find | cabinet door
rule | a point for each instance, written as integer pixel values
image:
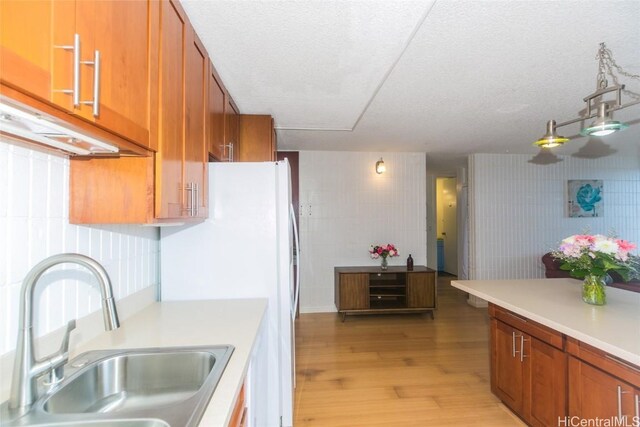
(256, 138)
(29, 30)
(507, 371)
(596, 394)
(169, 157)
(231, 130)
(547, 373)
(195, 154)
(354, 291)
(216, 115)
(421, 290)
(119, 30)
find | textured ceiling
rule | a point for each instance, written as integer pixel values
(447, 78)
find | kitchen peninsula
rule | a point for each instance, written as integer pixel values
(554, 356)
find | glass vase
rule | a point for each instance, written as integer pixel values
(593, 290)
(383, 263)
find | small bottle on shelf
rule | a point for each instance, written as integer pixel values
(409, 263)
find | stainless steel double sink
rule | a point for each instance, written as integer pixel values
(155, 387)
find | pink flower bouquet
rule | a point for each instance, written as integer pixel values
(583, 255)
(383, 251)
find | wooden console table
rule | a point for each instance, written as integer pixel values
(371, 290)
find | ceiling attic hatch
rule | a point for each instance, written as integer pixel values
(25, 123)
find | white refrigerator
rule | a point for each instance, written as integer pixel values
(244, 250)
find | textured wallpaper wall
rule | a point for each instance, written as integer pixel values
(518, 210)
(346, 206)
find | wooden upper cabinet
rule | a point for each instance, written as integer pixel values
(257, 138)
(216, 115)
(39, 41)
(181, 160)
(196, 69)
(231, 130)
(169, 158)
(171, 184)
(119, 32)
(29, 30)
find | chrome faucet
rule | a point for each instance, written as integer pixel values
(27, 369)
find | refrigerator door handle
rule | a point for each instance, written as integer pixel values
(294, 308)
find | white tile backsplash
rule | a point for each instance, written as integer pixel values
(34, 224)
(345, 207)
(518, 209)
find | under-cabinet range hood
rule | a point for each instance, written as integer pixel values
(26, 123)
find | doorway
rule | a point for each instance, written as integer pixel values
(447, 225)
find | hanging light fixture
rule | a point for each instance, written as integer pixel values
(551, 138)
(604, 123)
(380, 167)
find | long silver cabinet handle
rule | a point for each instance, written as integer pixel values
(196, 198)
(620, 393)
(522, 355)
(191, 198)
(513, 344)
(75, 85)
(96, 83)
(638, 406)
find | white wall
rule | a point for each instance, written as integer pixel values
(345, 207)
(518, 209)
(34, 224)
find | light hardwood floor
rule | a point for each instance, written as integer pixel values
(397, 370)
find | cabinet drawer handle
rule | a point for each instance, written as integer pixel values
(623, 363)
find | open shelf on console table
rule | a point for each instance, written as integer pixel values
(371, 290)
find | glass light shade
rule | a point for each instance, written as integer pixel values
(551, 138)
(380, 167)
(550, 141)
(603, 128)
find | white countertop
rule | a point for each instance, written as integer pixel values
(557, 303)
(194, 323)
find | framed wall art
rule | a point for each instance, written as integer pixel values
(585, 198)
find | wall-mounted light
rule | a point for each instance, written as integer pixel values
(380, 167)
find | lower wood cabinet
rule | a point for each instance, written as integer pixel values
(239, 415)
(549, 379)
(597, 394)
(528, 374)
(370, 290)
(602, 386)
